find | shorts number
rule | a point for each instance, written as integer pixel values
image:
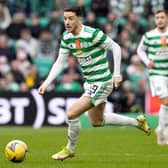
(93, 88)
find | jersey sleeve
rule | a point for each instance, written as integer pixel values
(142, 49)
(144, 43)
(100, 39)
(59, 64)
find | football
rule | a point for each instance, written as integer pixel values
(16, 150)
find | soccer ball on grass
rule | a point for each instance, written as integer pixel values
(16, 150)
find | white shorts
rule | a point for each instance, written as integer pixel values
(98, 91)
(159, 86)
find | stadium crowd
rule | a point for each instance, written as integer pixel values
(30, 32)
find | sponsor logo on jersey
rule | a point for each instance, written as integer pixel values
(78, 47)
(163, 41)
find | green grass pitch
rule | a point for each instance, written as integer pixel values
(111, 147)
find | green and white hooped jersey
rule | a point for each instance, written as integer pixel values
(156, 45)
(89, 47)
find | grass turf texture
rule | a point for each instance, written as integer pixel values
(112, 147)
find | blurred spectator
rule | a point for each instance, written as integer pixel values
(3, 84)
(61, 4)
(108, 29)
(47, 45)
(5, 17)
(35, 26)
(128, 96)
(56, 26)
(125, 41)
(132, 103)
(42, 7)
(18, 23)
(123, 97)
(15, 69)
(134, 26)
(126, 100)
(19, 6)
(136, 74)
(100, 8)
(140, 7)
(12, 85)
(24, 87)
(91, 20)
(111, 17)
(23, 58)
(4, 66)
(155, 5)
(6, 50)
(81, 3)
(30, 43)
(120, 7)
(32, 78)
(70, 79)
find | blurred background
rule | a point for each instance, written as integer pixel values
(30, 33)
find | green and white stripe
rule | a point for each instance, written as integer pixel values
(92, 55)
(157, 52)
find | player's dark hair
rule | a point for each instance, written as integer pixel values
(76, 9)
(161, 10)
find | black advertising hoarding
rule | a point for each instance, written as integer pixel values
(33, 109)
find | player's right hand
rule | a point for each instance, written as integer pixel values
(117, 81)
(41, 89)
(151, 64)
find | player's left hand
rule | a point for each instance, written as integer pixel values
(117, 80)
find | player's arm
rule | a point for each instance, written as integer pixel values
(115, 48)
(55, 70)
(141, 51)
(107, 43)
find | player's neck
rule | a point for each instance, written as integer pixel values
(162, 30)
(77, 30)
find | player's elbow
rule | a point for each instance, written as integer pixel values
(117, 48)
(139, 51)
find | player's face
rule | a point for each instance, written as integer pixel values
(71, 22)
(161, 20)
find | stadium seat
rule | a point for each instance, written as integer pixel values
(102, 20)
(43, 65)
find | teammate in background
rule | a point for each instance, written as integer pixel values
(89, 45)
(153, 50)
